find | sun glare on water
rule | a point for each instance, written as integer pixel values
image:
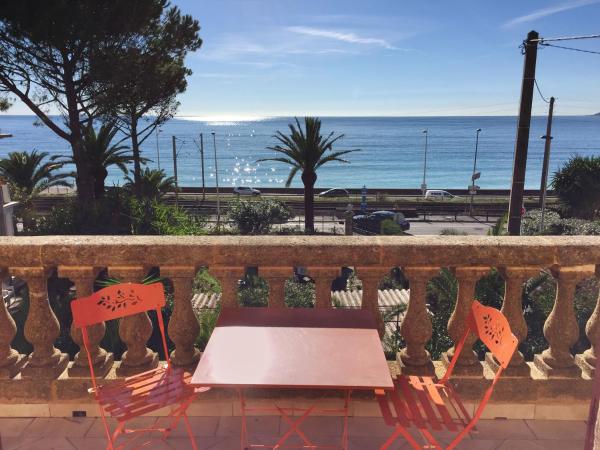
(224, 119)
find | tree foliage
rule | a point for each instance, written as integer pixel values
(153, 183)
(48, 50)
(101, 154)
(577, 185)
(141, 94)
(257, 217)
(306, 151)
(29, 173)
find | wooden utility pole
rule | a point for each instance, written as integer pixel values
(546, 163)
(202, 159)
(522, 141)
(175, 170)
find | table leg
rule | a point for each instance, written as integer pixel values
(346, 408)
(244, 432)
(294, 427)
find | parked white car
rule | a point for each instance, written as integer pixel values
(436, 194)
(244, 190)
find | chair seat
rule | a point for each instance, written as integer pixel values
(423, 402)
(146, 392)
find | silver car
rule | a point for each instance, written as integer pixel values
(244, 190)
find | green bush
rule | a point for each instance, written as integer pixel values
(154, 217)
(453, 232)
(257, 216)
(555, 225)
(118, 214)
(299, 295)
(254, 291)
(205, 283)
(390, 227)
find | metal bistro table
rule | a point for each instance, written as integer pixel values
(281, 348)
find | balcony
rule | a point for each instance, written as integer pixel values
(553, 385)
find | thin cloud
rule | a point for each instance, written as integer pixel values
(549, 11)
(351, 38)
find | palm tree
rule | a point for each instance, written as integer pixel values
(153, 183)
(306, 151)
(28, 174)
(577, 185)
(100, 154)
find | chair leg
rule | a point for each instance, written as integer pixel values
(460, 436)
(400, 430)
(189, 431)
(433, 441)
(112, 438)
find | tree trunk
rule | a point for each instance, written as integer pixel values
(99, 182)
(135, 149)
(309, 178)
(85, 177)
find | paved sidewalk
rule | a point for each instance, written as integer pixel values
(222, 433)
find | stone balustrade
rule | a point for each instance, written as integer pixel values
(81, 259)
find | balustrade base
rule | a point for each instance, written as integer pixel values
(101, 368)
(516, 371)
(191, 366)
(555, 372)
(589, 370)
(406, 369)
(14, 366)
(60, 361)
(124, 370)
(464, 370)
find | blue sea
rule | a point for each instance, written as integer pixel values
(390, 156)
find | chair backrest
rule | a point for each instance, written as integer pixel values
(494, 331)
(116, 301)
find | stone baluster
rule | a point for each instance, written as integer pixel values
(41, 327)
(276, 277)
(229, 278)
(11, 361)
(561, 329)
(467, 364)
(323, 277)
(134, 330)
(587, 360)
(370, 278)
(84, 278)
(416, 325)
(183, 325)
(512, 308)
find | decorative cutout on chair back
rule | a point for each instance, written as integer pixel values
(494, 331)
(117, 301)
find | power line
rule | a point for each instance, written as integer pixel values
(540, 92)
(570, 48)
(567, 38)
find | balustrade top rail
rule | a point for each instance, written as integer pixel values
(440, 251)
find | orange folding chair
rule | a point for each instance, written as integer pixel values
(433, 405)
(144, 392)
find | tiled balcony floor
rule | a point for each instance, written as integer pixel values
(222, 433)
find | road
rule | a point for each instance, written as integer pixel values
(418, 228)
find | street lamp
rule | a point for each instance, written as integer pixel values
(474, 175)
(424, 184)
(157, 151)
(544, 185)
(217, 181)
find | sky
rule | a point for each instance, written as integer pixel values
(385, 57)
